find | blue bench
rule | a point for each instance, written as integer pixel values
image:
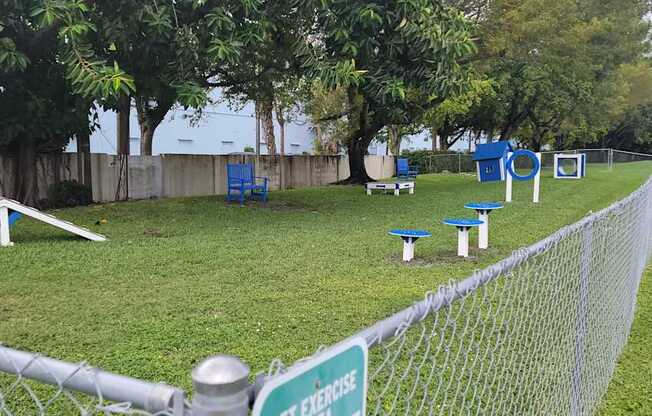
(404, 170)
(242, 179)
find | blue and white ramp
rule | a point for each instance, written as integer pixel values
(19, 209)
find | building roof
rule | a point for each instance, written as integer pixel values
(494, 150)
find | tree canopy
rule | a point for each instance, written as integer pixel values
(565, 73)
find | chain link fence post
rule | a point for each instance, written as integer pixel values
(577, 404)
(221, 387)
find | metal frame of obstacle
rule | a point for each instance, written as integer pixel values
(396, 187)
(535, 173)
(580, 166)
(8, 204)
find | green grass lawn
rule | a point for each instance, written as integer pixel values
(182, 279)
(630, 391)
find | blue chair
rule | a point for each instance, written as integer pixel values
(240, 179)
(404, 170)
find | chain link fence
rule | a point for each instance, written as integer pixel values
(428, 162)
(539, 333)
(31, 384)
(536, 334)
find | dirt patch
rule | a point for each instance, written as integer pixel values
(438, 258)
(281, 206)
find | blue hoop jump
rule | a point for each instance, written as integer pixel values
(536, 165)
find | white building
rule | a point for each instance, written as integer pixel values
(219, 131)
(222, 130)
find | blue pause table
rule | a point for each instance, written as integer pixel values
(409, 237)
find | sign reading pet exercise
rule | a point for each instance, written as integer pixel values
(332, 384)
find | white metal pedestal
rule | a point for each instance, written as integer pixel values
(463, 242)
(408, 249)
(483, 231)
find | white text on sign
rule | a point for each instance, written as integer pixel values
(319, 403)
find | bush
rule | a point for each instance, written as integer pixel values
(249, 149)
(69, 194)
(427, 161)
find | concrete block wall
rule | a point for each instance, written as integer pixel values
(169, 176)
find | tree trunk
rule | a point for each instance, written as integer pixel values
(537, 138)
(267, 118)
(123, 116)
(146, 139)
(84, 174)
(443, 142)
(281, 123)
(25, 189)
(357, 151)
(321, 148)
(257, 111)
(363, 130)
(435, 139)
(395, 139)
(149, 118)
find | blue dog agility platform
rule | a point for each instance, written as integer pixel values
(14, 217)
(409, 237)
(484, 209)
(463, 223)
(463, 226)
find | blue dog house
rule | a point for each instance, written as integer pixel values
(490, 161)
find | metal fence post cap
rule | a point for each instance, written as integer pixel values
(220, 374)
(221, 387)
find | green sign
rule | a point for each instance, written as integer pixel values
(332, 384)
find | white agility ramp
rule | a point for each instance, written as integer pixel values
(8, 204)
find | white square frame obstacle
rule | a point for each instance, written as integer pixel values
(580, 166)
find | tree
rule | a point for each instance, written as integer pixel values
(323, 107)
(453, 118)
(174, 50)
(47, 82)
(268, 72)
(554, 65)
(395, 60)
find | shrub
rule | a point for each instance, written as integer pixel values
(69, 194)
(249, 149)
(427, 161)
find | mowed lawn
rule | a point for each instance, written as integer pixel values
(182, 279)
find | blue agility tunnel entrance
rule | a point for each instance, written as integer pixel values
(490, 159)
